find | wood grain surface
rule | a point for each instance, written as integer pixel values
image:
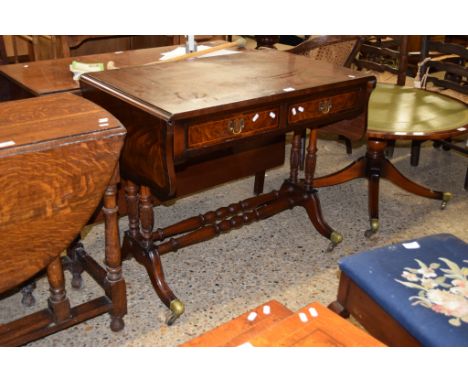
(53, 177)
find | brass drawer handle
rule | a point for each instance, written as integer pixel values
(325, 106)
(236, 129)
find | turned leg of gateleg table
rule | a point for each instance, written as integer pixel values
(72, 263)
(28, 299)
(116, 290)
(312, 203)
(58, 300)
(152, 260)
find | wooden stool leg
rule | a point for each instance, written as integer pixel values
(339, 305)
(58, 301)
(113, 260)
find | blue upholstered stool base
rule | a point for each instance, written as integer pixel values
(421, 283)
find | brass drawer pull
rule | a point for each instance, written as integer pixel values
(325, 106)
(236, 129)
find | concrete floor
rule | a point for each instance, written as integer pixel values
(282, 258)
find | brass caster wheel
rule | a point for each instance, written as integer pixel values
(374, 223)
(177, 308)
(335, 239)
(446, 196)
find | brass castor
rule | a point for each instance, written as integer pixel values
(446, 196)
(335, 239)
(177, 308)
(374, 223)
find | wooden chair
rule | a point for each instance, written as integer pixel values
(383, 55)
(411, 293)
(39, 47)
(443, 69)
(3, 53)
(399, 113)
(337, 50)
(58, 157)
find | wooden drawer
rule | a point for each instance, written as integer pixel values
(235, 127)
(321, 107)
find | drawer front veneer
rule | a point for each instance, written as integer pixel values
(234, 127)
(321, 107)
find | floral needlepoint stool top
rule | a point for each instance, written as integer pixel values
(443, 290)
(423, 284)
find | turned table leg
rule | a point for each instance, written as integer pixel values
(58, 300)
(113, 260)
(27, 292)
(73, 264)
(132, 197)
(295, 158)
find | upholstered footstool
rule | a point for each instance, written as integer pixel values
(409, 294)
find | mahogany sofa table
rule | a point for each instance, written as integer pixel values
(199, 123)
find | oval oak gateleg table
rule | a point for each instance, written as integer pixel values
(199, 123)
(58, 159)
